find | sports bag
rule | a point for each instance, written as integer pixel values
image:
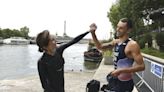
(93, 86)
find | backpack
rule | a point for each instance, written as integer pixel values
(93, 86)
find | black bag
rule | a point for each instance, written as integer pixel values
(93, 86)
(112, 83)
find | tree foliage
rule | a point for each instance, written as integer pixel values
(148, 38)
(24, 31)
(7, 33)
(137, 11)
(160, 40)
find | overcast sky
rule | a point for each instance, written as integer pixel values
(39, 15)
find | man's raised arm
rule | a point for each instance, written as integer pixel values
(110, 45)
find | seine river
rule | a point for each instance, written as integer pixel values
(18, 61)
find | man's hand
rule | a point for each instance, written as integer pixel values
(93, 27)
(116, 72)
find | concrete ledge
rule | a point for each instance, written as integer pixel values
(108, 60)
(156, 59)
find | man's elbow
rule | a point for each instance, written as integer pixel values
(142, 68)
(99, 47)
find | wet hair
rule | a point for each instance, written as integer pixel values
(128, 21)
(42, 40)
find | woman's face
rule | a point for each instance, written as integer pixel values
(52, 43)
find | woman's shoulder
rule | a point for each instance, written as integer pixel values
(42, 58)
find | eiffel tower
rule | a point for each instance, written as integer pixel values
(64, 34)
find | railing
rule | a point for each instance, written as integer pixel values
(153, 76)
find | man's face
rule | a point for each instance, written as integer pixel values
(122, 29)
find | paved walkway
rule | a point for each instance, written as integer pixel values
(74, 82)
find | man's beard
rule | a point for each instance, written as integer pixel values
(120, 34)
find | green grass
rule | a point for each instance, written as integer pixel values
(153, 52)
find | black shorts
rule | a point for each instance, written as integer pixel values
(123, 86)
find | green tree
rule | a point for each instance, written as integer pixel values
(136, 11)
(148, 38)
(126, 8)
(24, 32)
(1, 35)
(17, 33)
(113, 15)
(6, 33)
(160, 40)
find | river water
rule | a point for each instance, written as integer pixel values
(17, 61)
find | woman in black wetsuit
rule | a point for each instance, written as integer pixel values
(51, 64)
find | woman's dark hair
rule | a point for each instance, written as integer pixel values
(42, 40)
(128, 21)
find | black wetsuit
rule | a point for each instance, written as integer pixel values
(51, 68)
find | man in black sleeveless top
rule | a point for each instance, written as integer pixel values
(127, 55)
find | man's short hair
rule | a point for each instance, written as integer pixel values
(128, 21)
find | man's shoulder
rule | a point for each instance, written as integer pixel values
(133, 45)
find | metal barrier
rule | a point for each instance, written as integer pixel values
(153, 76)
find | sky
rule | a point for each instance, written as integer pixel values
(39, 15)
